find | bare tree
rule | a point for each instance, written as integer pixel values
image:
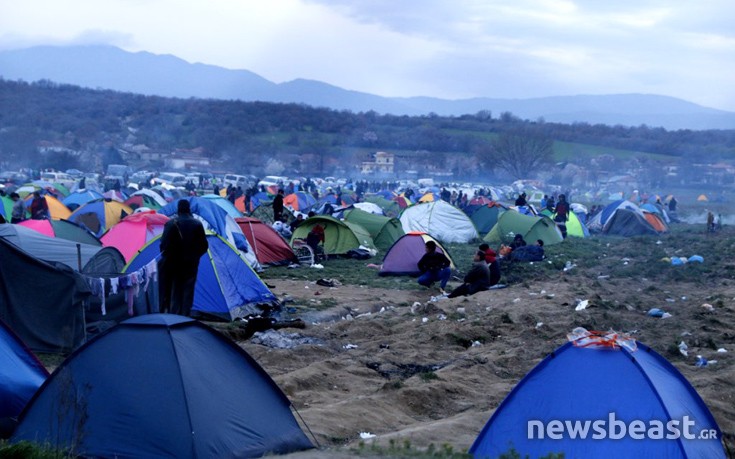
(520, 152)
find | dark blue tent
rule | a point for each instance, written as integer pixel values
(226, 287)
(589, 384)
(161, 385)
(21, 374)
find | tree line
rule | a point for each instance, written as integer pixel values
(242, 133)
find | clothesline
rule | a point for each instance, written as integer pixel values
(130, 283)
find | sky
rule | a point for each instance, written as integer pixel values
(452, 49)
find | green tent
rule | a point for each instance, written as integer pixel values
(484, 217)
(384, 230)
(511, 223)
(390, 208)
(339, 236)
(264, 213)
(575, 227)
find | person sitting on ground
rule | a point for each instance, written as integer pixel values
(518, 241)
(491, 258)
(295, 224)
(477, 279)
(434, 266)
(533, 252)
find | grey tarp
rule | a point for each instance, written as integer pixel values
(41, 302)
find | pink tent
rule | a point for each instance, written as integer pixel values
(133, 232)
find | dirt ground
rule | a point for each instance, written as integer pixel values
(395, 365)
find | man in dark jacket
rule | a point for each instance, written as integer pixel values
(183, 243)
(476, 280)
(278, 206)
(434, 266)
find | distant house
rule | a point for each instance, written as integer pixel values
(382, 164)
(187, 159)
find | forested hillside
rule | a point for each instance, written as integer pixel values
(310, 140)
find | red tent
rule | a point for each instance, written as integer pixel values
(270, 248)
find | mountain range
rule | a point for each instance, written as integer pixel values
(108, 67)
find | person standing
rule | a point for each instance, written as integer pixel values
(39, 207)
(19, 209)
(278, 206)
(183, 243)
(477, 278)
(562, 215)
(434, 267)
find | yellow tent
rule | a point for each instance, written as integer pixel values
(702, 197)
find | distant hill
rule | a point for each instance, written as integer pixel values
(109, 67)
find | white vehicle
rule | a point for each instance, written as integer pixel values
(58, 177)
(171, 179)
(235, 180)
(270, 180)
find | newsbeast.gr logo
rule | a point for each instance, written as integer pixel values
(616, 429)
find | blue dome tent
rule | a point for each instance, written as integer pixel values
(226, 287)
(600, 378)
(161, 385)
(21, 374)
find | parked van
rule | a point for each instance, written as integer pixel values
(235, 180)
(58, 177)
(171, 179)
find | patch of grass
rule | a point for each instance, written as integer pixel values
(404, 449)
(428, 376)
(28, 450)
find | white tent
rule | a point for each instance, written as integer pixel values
(441, 220)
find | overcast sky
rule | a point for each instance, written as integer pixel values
(444, 48)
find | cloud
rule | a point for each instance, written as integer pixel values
(457, 49)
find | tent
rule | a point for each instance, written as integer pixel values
(511, 223)
(626, 223)
(389, 208)
(369, 207)
(264, 213)
(403, 256)
(217, 219)
(339, 236)
(300, 201)
(384, 231)
(598, 222)
(80, 197)
(100, 215)
(226, 288)
(269, 247)
(161, 385)
(152, 196)
(484, 216)
(655, 221)
(702, 198)
(6, 207)
(57, 209)
(43, 303)
(586, 382)
(575, 227)
(21, 374)
(139, 201)
(133, 232)
(228, 207)
(78, 256)
(63, 229)
(443, 221)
